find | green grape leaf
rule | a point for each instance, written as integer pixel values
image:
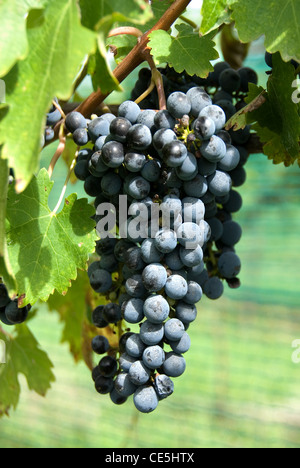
(4, 173)
(57, 47)
(277, 20)
(72, 309)
(101, 74)
(101, 15)
(277, 120)
(22, 355)
(122, 45)
(255, 99)
(93, 12)
(45, 249)
(13, 37)
(187, 51)
(214, 13)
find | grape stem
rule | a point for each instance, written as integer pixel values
(125, 30)
(145, 93)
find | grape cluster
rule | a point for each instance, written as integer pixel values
(10, 312)
(181, 161)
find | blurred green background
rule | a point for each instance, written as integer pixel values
(240, 389)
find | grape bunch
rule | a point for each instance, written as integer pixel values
(10, 312)
(181, 161)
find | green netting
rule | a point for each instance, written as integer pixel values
(240, 389)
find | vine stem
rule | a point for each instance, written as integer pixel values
(136, 56)
(125, 30)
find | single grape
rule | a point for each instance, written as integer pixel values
(151, 170)
(16, 314)
(139, 373)
(119, 128)
(165, 240)
(219, 183)
(156, 309)
(164, 386)
(111, 184)
(174, 329)
(188, 169)
(112, 313)
(98, 318)
(113, 154)
(133, 310)
(100, 344)
(126, 361)
(173, 260)
(230, 160)
(134, 161)
(194, 293)
(199, 99)
(104, 385)
(178, 104)
(196, 187)
(145, 399)
(216, 114)
(230, 80)
(108, 366)
(116, 398)
(191, 257)
(149, 252)
(229, 265)
(134, 346)
(187, 313)
(213, 288)
(174, 153)
(135, 287)
(154, 277)
(176, 287)
(151, 333)
(138, 188)
(214, 149)
(153, 357)
(146, 117)
(75, 120)
(190, 235)
(124, 386)
(139, 137)
(163, 119)
(174, 364)
(232, 233)
(182, 345)
(129, 110)
(101, 280)
(204, 128)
